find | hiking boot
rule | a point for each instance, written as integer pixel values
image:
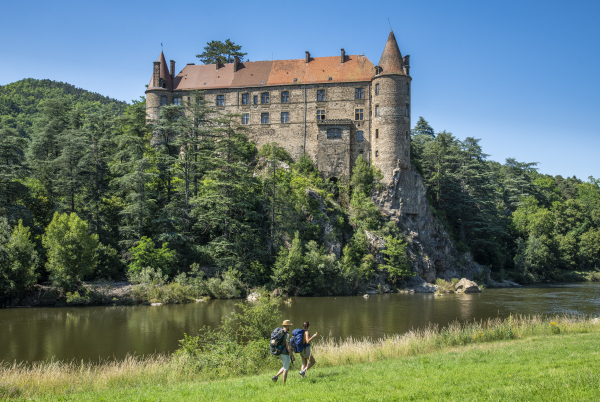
(303, 373)
(274, 378)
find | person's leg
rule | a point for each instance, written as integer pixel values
(281, 370)
(284, 375)
(312, 362)
(304, 363)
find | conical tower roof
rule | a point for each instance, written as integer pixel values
(164, 71)
(391, 59)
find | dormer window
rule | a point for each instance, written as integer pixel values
(164, 84)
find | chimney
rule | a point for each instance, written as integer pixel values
(307, 57)
(219, 64)
(156, 74)
(406, 60)
(236, 63)
(172, 69)
(343, 55)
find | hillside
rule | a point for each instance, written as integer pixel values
(20, 101)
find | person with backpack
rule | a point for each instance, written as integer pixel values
(307, 358)
(280, 345)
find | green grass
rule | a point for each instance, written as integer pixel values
(555, 368)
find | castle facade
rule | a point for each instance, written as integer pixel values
(332, 108)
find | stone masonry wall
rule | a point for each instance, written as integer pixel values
(390, 134)
(340, 103)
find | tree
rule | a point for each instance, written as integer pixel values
(21, 274)
(72, 253)
(13, 171)
(365, 177)
(396, 261)
(224, 52)
(145, 254)
(423, 128)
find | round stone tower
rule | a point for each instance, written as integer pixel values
(160, 89)
(391, 88)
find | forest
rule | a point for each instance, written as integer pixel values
(90, 191)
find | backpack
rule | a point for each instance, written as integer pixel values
(276, 341)
(297, 341)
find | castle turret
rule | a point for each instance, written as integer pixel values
(160, 87)
(390, 131)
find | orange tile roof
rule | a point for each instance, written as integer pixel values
(277, 72)
(391, 58)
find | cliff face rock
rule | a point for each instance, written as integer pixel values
(430, 248)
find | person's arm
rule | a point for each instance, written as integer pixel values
(306, 339)
(311, 338)
(289, 348)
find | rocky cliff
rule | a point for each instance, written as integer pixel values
(430, 248)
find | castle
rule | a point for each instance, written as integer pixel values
(333, 108)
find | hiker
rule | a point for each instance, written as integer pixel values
(286, 353)
(305, 353)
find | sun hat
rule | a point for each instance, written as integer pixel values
(286, 322)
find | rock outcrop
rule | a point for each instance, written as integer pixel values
(430, 248)
(467, 286)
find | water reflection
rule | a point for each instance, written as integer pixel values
(100, 332)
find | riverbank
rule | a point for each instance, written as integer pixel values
(556, 355)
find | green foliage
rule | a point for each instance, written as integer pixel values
(20, 101)
(224, 52)
(145, 254)
(365, 177)
(71, 252)
(396, 261)
(23, 260)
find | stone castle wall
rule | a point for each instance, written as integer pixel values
(302, 130)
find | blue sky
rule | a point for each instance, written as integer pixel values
(521, 75)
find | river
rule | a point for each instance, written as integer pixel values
(90, 333)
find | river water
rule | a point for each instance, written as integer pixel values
(90, 333)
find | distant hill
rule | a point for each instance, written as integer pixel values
(20, 101)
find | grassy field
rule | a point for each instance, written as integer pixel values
(555, 368)
(521, 358)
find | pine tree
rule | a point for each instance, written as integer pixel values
(13, 170)
(224, 52)
(423, 128)
(226, 206)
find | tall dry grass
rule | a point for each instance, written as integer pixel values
(55, 377)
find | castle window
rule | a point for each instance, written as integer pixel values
(376, 110)
(376, 89)
(264, 97)
(220, 100)
(359, 136)
(407, 88)
(246, 118)
(359, 93)
(358, 114)
(407, 110)
(285, 117)
(360, 151)
(163, 101)
(245, 99)
(320, 95)
(264, 118)
(177, 101)
(164, 85)
(320, 115)
(285, 97)
(376, 153)
(334, 133)
(405, 153)
(376, 133)
(255, 100)
(407, 134)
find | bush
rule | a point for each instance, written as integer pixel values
(396, 261)
(240, 345)
(146, 255)
(72, 253)
(110, 265)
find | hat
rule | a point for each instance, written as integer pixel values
(286, 322)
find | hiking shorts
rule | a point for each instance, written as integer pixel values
(285, 359)
(305, 352)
